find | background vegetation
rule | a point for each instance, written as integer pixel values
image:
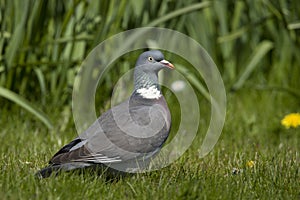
(255, 44)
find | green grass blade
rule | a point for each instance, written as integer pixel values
(194, 81)
(294, 25)
(26, 105)
(179, 12)
(17, 37)
(42, 82)
(262, 49)
(233, 35)
(200, 87)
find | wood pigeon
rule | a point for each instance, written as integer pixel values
(126, 137)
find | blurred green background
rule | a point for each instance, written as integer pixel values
(255, 44)
(43, 43)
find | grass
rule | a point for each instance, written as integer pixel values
(249, 134)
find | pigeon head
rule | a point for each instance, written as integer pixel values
(152, 61)
(147, 67)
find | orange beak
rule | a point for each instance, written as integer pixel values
(167, 63)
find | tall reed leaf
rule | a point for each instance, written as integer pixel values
(194, 81)
(260, 51)
(179, 12)
(17, 36)
(26, 105)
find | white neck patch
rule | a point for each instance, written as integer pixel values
(149, 93)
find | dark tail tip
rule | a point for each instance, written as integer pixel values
(47, 171)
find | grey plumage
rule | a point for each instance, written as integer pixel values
(128, 136)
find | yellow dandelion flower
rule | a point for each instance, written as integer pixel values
(250, 163)
(291, 120)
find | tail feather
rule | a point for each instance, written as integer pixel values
(47, 171)
(56, 168)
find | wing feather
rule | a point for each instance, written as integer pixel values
(107, 142)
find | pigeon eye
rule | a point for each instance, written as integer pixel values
(150, 58)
